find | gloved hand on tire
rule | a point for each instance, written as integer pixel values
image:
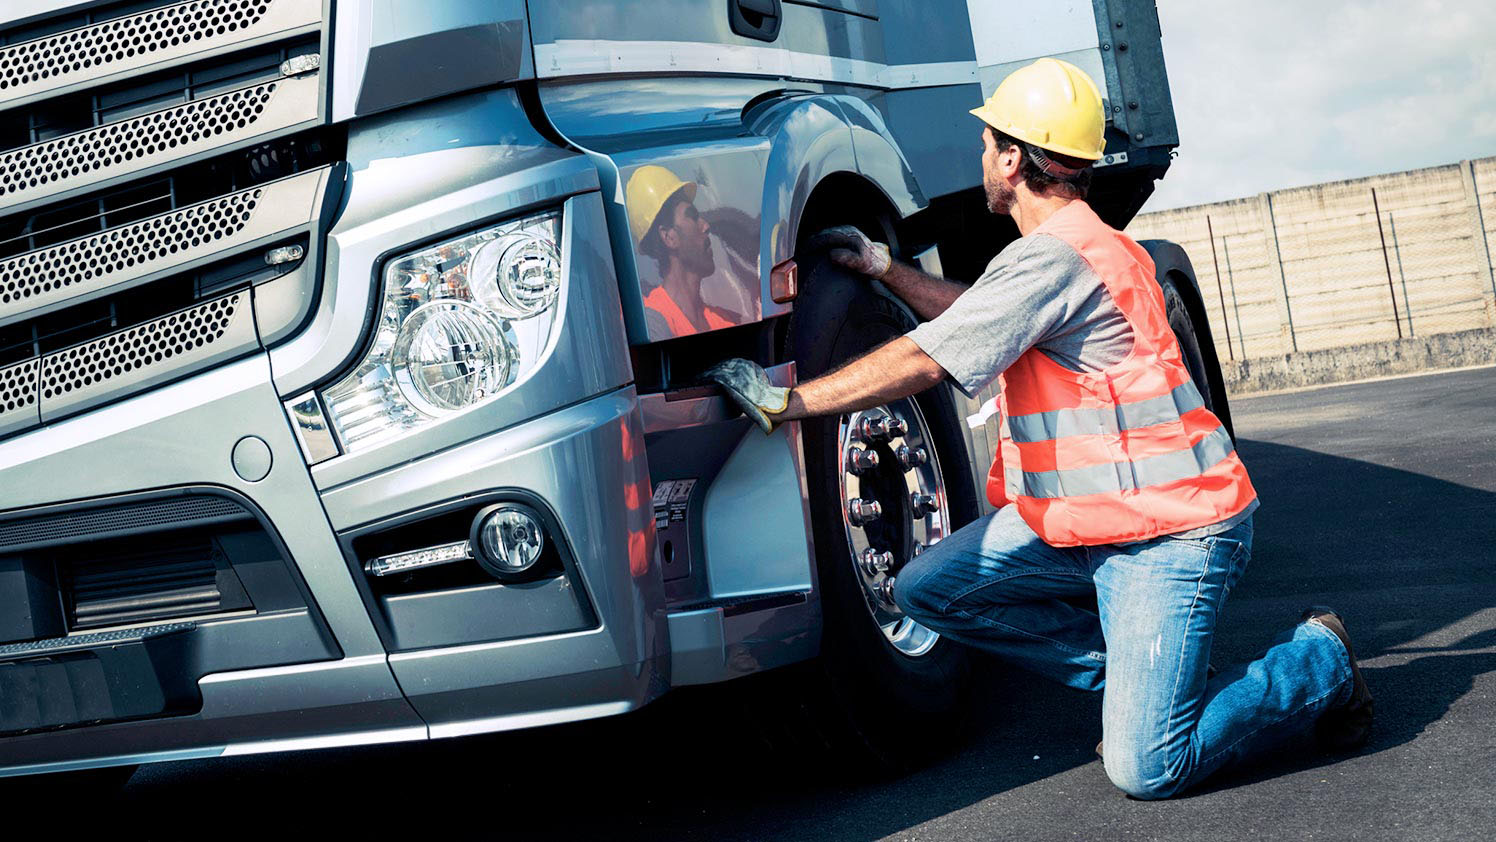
(749, 386)
(851, 248)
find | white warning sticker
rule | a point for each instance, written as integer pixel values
(671, 498)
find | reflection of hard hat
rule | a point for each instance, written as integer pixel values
(1052, 104)
(648, 190)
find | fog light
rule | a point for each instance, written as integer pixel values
(509, 539)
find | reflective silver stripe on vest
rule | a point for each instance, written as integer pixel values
(1062, 423)
(1125, 476)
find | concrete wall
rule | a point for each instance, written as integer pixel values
(1459, 349)
(1305, 269)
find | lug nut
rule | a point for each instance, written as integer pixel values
(874, 562)
(923, 504)
(861, 460)
(880, 429)
(918, 548)
(911, 457)
(862, 511)
(884, 591)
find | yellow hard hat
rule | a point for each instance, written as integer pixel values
(1052, 104)
(648, 190)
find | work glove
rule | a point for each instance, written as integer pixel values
(852, 249)
(750, 388)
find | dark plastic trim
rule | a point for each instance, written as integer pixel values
(388, 635)
(757, 19)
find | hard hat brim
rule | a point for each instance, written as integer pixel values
(686, 187)
(986, 114)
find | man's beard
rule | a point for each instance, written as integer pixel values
(705, 263)
(1000, 197)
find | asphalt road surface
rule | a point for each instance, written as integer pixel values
(1378, 498)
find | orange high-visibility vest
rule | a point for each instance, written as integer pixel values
(660, 301)
(1125, 454)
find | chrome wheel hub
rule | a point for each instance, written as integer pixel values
(893, 507)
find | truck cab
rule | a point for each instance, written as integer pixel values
(351, 356)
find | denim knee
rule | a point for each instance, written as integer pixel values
(1142, 776)
(912, 591)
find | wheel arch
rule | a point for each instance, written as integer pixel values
(848, 198)
(1171, 261)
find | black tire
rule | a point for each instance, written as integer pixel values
(877, 709)
(1183, 326)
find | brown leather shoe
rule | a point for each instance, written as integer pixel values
(1348, 726)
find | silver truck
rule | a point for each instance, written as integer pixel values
(350, 357)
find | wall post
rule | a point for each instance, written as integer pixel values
(1275, 263)
(1241, 335)
(1479, 241)
(1221, 293)
(1376, 208)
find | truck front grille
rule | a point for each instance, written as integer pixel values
(18, 395)
(85, 375)
(118, 150)
(72, 270)
(151, 156)
(174, 33)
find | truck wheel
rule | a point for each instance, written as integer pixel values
(884, 484)
(1189, 344)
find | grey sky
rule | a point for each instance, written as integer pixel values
(1279, 93)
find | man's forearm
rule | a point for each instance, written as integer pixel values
(927, 295)
(892, 371)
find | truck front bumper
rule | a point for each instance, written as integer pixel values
(581, 461)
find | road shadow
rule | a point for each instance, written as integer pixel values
(1406, 557)
(1410, 697)
(1403, 556)
(1400, 554)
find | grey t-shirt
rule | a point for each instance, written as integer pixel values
(1037, 293)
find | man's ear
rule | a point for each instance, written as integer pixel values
(1010, 161)
(670, 237)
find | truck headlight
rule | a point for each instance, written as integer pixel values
(460, 322)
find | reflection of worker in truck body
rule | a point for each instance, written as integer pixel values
(671, 230)
(1112, 478)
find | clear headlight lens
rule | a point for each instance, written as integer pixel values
(460, 322)
(450, 354)
(524, 270)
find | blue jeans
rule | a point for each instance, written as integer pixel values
(997, 586)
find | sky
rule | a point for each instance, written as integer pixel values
(1282, 93)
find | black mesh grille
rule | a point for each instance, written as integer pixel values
(104, 522)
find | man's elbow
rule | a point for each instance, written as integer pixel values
(931, 373)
